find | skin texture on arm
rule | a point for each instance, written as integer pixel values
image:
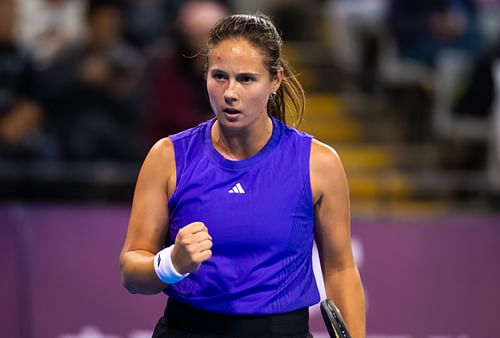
(333, 237)
(148, 223)
(148, 226)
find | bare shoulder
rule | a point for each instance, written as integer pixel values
(163, 149)
(159, 164)
(324, 157)
(327, 171)
(161, 155)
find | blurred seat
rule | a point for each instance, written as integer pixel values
(452, 68)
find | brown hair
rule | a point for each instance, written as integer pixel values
(260, 31)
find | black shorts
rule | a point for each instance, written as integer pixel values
(182, 320)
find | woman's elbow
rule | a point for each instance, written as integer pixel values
(137, 284)
(126, 280)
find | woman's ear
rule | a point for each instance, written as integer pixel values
(278, 78)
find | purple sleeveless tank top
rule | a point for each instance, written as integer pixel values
(259, 212)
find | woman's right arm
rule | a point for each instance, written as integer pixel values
(148, 225)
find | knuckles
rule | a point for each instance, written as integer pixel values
(193, 245)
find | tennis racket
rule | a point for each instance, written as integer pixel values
(334, 322)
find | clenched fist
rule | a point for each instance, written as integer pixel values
(193, 246)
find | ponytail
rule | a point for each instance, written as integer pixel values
(288, 104)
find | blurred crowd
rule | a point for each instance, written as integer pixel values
(104, 79)
(434, 61)
(100, 79)
(383, 41)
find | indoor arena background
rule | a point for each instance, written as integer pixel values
(407, 92)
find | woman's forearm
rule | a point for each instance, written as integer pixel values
(346, 290)
(138, 275)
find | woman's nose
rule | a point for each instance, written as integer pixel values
(229, 99)
(230, 94)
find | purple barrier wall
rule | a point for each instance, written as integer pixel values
(423, 278)
(73, 283)
(435, 278)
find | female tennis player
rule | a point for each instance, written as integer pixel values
(225, 214)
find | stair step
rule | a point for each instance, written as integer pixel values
(419, 185)
(365, 185)
(363, 157)
(323, 106)
(339, 131)
(387, 171)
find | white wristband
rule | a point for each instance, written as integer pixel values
(164, 267)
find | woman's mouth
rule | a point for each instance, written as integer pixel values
(231, 111)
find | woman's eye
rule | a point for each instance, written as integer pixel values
(246, 78)
(218, 76)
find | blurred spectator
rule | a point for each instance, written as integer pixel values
(476, 98)
(479, 88)
(425, 34)
(423, 28)
(177, 94)
(146, 20)
(21, 117)
(92, 90)
(489, 14)
(357, 28)
(48, 26)
(298, 19)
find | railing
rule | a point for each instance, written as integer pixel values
(494, 153)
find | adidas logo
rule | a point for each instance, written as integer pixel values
(237, 189)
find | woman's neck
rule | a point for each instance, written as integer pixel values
(243, 143)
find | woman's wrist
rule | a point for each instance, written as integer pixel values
(164, 267)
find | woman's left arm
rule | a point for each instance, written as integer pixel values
(333, 237)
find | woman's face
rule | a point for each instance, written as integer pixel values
(238, 83)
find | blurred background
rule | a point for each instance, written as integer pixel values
(407, 92)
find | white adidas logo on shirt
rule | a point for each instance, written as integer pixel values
(237, 189)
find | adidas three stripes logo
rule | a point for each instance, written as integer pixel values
(237, 189)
